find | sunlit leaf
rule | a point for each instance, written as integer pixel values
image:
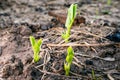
(69, 21)
(36, 45)
(69, 58)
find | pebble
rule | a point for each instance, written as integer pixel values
(4, 14)
(115, 37)
(33, 27)
(54, 20)
(106, 23)
(39, 9)
(89, 62)
(46, 26)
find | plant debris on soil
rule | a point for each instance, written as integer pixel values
(95, 38)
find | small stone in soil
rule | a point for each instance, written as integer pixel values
(39, 9)
(50, 25)
(33, 27)
(57, 66)
(89, 62)
(54, 20)
(4, 14)
(46, 26)
(63, 25)
(106, 23)
(114, 37)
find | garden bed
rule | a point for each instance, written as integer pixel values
(94, 53)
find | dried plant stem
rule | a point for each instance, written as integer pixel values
(82, 45)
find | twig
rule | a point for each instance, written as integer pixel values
(110, 77)
(81, 64)
(87, 33)
(79, 75)
(83, 45)
(88, 56)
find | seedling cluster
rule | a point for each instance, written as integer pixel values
(36, 45)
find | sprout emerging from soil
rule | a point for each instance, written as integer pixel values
(93, 75)
(69, 21)
(109, 2)
(69, 58)
(36, 46)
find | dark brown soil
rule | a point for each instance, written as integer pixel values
(45, 19)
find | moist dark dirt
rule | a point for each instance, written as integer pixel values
(94, 51)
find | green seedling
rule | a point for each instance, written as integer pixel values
(69, 21)
(94, 77)
(36, 46)
(109, 2)
(69, 58)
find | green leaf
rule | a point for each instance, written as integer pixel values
(93, 75)
(36, 58)
(70, 51)
(65, 36)
(69, 58)
(74, 10)
(39, 42)
(69, 21)
(71, 15)
(32, 40)
(36, 45)
(70, 54)
(67, 69)
(36, 48)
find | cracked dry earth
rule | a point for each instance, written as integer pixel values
(45, 19)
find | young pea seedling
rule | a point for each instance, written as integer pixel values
(109, 2)
(69, 58)
(69, 21)
(36, 46)
(93, 75)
